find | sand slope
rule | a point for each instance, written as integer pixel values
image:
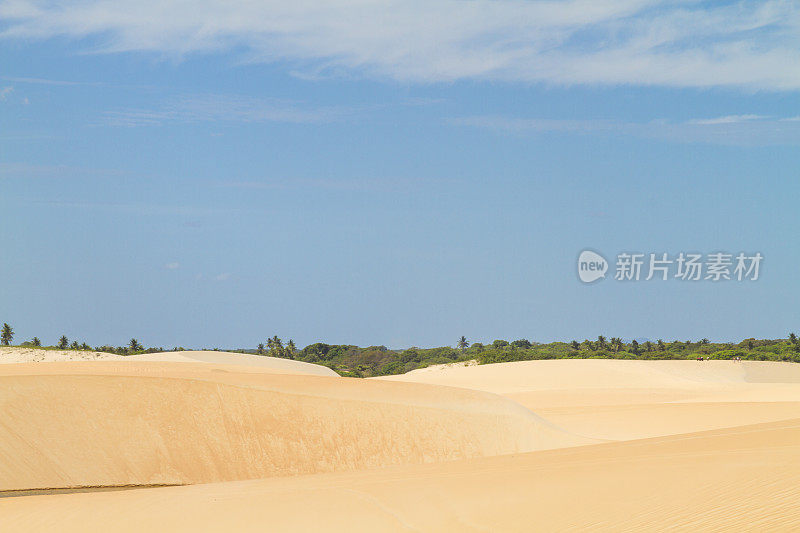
(273, 364)
(16, 354)
(133, 423)
(593, 374)
(743, 479)
(325, 453)
(623, 399)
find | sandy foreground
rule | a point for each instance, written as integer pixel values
(255, 445)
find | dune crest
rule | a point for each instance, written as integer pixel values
(588, 374)
(272, 364)
(145, 423)
(16, 354)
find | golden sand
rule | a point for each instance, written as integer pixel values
(564, 445)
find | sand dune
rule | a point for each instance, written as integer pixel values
(140, 423)
(273, 364)
(742, 479)
(18, 354)
(15, 354)
(594, 374)
(623, 399)
(700, 446)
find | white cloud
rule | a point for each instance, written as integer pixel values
(172, 266)
(42, 81)
(733, 130)
(521, 125)
(223, 108)
(728, 119)
(680, 43)
(36, 171)
(5, 91)
(222, 277)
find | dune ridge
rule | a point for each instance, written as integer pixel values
(742, 479)
(273, 364)
(625, 399)
(142, 423)
(590, 374)
(17, 354)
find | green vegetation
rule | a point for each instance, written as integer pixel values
(355, 361)
(277, 349)
(463, 344)
(349, 360)
(134, 347)
(7, 335)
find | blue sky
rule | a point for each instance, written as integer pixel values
(393, 173)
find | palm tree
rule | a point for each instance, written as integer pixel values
(635, 346)
(792, 338)
(134, 345)
(661, 345)
(290, 349)
(601, 342)
(7, 334)
(275, 346)
(462, 343)
(648, 346)
(616, 344)
(260, 349)
(63, 342)
(36, 341)
(704, 341)
(85, 346)
(575, 345)
(74, 345)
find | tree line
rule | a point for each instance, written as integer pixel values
(133, 347)
(351, 360)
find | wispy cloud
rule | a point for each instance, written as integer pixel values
(141, 209)
(223, 108)
(523, 125)
(728, 119)
(385, 184)
(43, 81)
(35, 171)
(736, 130)
(5, 91)
(172, 266)
(679, 43)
